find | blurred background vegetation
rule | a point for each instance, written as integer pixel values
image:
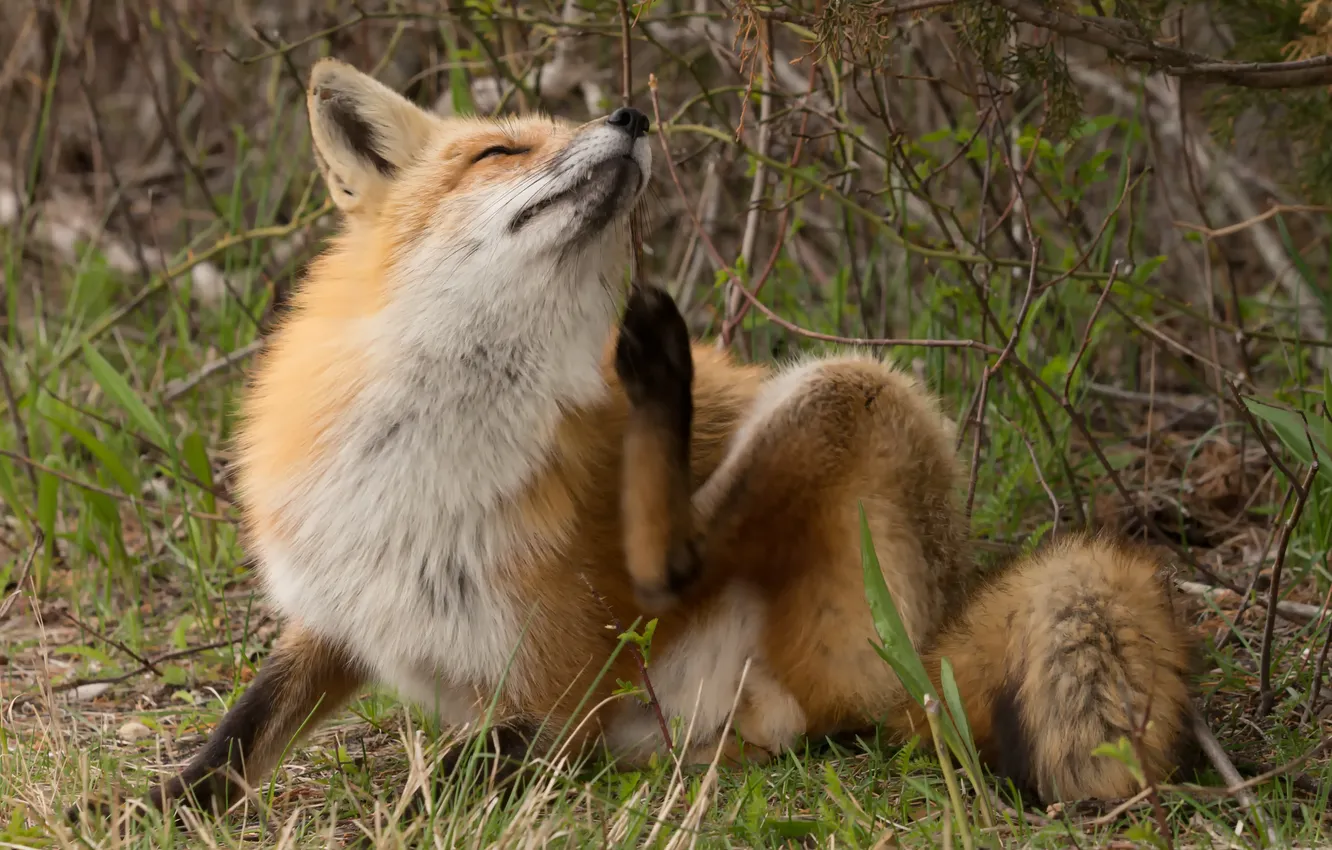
(1096, 228)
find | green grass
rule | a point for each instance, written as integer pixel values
(117, 518)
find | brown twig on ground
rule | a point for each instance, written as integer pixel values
(1217, 756)
(145, 668)
(107, 639)
(1265, 663)
(1294, 612)
(1254, 781)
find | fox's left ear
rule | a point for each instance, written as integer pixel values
(364, 133)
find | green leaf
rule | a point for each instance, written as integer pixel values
(1144, 270)
(179, 632)
(1121, 750)
(195, 453)
(954, 699)
(98, 449)
(1290, 428)
(897, 649)
(104, 507)
(115, 386)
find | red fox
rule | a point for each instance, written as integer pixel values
(463, 470)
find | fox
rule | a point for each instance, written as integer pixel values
(470, 455)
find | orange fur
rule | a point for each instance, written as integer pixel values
(782, 462)
(1065, 649)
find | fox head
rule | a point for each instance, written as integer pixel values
(472, 208)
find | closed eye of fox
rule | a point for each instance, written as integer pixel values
(463, 453)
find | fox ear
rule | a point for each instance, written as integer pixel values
(364, 133)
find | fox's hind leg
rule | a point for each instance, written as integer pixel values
(780, 515)
(655, 365)
(303, 680)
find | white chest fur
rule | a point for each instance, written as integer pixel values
(400, 545)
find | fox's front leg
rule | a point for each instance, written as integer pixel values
(305, 679)
(655, 366)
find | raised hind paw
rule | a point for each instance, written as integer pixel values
(654, 362)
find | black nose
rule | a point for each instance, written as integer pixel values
(629, 120)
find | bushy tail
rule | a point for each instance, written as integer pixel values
(1073, 646)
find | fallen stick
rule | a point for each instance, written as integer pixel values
(1299, 612)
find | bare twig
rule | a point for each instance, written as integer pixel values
(1252, 421)
(762, 308)
(1217, 755)
(1121, 39)
(1265, 664)
(1295, 612)
(752, 216)
(1272, 211)
(1091, 323)
(169, 656)
(1315, 687)
(20, 432)
(626, 97)
(782, 222)
(166, 510)
(637, 654)
(38, 539)
(107, 639)
(179, 387)
(1254, 781)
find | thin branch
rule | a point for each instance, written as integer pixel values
(1217, 755)
(637, 654)
(177, 388)
(1120, 39)
(762, 308)
(626, 96)
(1265, 664)
(164, 510)
(169, 656)
(1317, 685)
(1091, 323)
(147, 663)
(20, 432)
(1254, 781)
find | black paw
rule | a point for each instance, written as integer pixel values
(652, 357)
(196, 790)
